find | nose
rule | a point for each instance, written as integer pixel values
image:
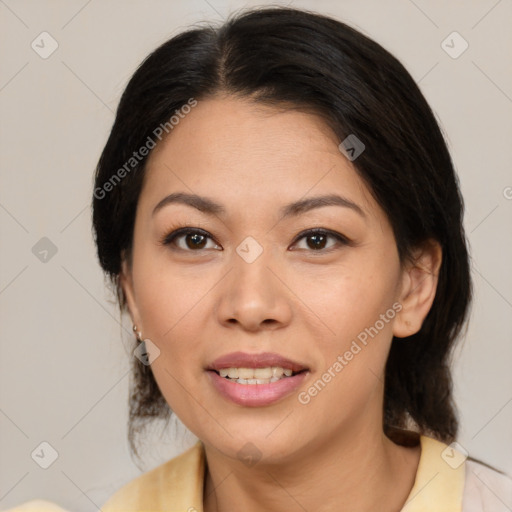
(252, 297)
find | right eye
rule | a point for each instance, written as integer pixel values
(189, 239)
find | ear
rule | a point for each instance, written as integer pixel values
(126, 282)
(419, 285)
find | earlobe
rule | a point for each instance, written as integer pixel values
(419, 285)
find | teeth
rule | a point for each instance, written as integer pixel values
(262, 373)
(257, 381)
(256, 375)
(246, 373)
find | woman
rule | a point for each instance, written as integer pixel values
(279, 213)
(292, 251)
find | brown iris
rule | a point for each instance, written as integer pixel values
(195, 241)
(318, 241)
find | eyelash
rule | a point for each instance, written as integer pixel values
(171, 237)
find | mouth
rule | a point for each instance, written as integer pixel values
(252, 376)
(266, 366)
(256, 379)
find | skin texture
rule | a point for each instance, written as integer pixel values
(303, 303)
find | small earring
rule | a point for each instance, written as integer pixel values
(138, 334)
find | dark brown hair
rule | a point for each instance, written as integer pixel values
(298, 59)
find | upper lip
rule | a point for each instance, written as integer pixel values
(262, 360)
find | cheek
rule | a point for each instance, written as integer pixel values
(175, 305)
(353, 360)
(174, 309)
(174, 313)
(350, 298)
(167, 294)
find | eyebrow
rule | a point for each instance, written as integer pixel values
(210, 207)
(202, 204)
(305, 205)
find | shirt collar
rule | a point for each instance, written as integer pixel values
(178, 484)
(439, 479)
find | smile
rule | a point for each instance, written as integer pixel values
(253, 376)
(256, 392)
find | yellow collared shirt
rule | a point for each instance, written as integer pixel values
(445, 482)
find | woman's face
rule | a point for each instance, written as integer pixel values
(250, 280)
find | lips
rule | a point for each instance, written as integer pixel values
(261, 360)
(256, 392)
(258, 395)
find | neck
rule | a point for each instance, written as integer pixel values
(362, 470)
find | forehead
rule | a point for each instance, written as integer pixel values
(238, 148)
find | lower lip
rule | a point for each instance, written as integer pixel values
(256, 395)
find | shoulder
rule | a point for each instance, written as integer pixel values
(177, 483)
(485, 489)
(37, 506)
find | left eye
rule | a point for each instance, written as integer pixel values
(318, 240)
(190, 239)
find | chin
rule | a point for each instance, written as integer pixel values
(265, 444)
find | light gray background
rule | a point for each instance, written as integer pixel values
(64, 355)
